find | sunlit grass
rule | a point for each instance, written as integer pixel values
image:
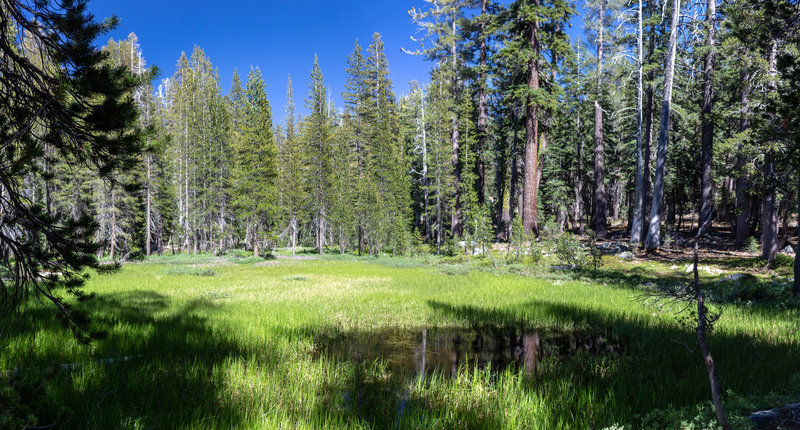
(200, 342)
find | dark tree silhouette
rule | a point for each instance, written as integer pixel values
(79, 106)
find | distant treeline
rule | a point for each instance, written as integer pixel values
(665, 109)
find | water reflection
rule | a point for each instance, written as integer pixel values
(445, 350)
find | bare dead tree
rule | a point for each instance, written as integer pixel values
(691, 295)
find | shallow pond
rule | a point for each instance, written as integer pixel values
(444, 351)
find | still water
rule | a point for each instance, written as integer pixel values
(444, 351)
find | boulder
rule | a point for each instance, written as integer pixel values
(613, 248)
(785, 417)
(565, 267)
(627, 255)
(787, 250)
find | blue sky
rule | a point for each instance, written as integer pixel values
(279, 36)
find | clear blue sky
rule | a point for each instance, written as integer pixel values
(279, 36)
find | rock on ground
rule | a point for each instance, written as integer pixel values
(627, 255)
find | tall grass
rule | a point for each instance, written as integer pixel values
(235, 350)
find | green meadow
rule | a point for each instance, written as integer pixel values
(202, 342)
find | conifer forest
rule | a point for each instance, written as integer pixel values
(583, 215)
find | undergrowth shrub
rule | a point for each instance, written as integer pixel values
(568, 250)
(754, 291)
(595, 253)
(702, 417)
(751, 244)
(18, 399)
(136, 255)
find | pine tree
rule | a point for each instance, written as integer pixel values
(386, 163)
(255, 169)
(84, 111)
(317, 141)
(357, 104)
(440, 188)
(199, 122)
(534, 28)
(442, 22)
(292, 160)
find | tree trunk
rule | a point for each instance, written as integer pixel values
(702, 328)
(501, 170)
(439, 220)
(483, 134)
(769, 213)
(321, 232)
(255, 241)
(706, 163)
(653, 240)
(796, 289)
(599, 205)
(716, 394)
(529, 213)
(293, 226)
(648, 131)
(638, 211)
(149, 226)
(455, 224)
(513, 191)
(113, 224)
(742, 182)
(579, 180)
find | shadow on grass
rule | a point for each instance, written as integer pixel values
(763, 295)
(660, 367)
(180, 379)
(160, 367)
(782, 261)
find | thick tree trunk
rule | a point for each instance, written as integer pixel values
(529, 212)
(638, 210)
(513, 193)
(653, 240)
(707, 153)
(769, 213)
(648, 131)
(540, 164)
(769, 210)
(600, 201)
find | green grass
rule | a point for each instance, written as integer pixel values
(236, 349)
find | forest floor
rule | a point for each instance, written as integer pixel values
(399, 342)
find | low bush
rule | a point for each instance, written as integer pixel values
(568, 250)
